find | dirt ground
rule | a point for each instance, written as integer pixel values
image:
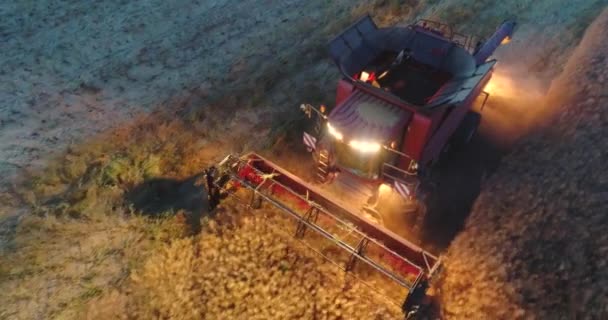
(96, 99)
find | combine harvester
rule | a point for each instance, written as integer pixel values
(407, 94)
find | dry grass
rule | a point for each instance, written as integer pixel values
(105, 167)
(241, 267)
(84, 237)
(57, 264)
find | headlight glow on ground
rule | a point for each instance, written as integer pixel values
(335, 133)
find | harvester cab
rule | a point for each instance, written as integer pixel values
(406, 94)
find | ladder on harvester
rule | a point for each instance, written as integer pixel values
(323, 166)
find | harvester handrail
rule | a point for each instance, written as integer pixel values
(403, 174)
(461, 39)
(444, 26)
(327, 235)
(358, 232)
(404, 155)
(408, 173)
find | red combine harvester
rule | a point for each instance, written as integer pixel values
(406, 94)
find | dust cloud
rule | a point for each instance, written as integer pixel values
(515, 104)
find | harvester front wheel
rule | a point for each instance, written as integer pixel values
(467, 129)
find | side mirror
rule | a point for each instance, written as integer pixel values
(307, 109)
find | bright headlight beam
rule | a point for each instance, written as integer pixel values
(364, 76)
(334, 132)
(365, 146)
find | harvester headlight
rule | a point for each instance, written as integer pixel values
(365, 146)
(335, 133)
(364, 76)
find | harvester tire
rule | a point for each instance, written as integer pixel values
(467, 129)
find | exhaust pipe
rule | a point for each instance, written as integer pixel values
(503, 33)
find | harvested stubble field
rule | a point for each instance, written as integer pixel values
(99, 231)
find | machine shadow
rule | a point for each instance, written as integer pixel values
(459, 177)
(160, 196)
